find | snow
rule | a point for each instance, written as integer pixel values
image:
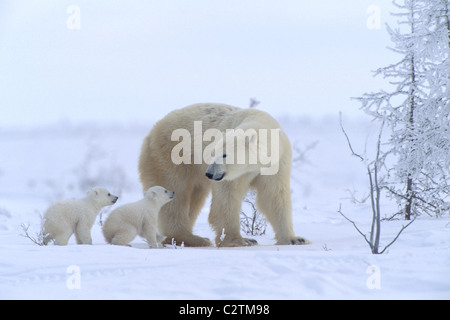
(40, 165)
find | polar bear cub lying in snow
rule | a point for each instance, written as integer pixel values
(67, 217)
(138, 218)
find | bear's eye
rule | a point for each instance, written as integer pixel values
(109, 194)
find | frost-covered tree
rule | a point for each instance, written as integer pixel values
(418, 109)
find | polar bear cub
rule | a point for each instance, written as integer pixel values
(67, 217)
(138, 218)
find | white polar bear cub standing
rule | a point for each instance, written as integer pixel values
(138, 218)
(67, 217)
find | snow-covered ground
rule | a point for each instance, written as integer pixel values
(41, 165)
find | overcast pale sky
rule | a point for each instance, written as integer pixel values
(135, 60)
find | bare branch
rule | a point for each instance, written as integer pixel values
(398, 234)
(354, 225)
(38, 239)
(348, 140)
(300, 155)
(377, 211)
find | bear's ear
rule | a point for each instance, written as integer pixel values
(92, 193)
(150, 194)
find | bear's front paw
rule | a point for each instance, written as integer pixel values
(293, 241)
(236, 242)
(188, 240)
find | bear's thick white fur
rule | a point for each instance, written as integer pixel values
(138, 218)
(67, 217)
(191, 186)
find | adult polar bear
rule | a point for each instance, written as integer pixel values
(192, 180)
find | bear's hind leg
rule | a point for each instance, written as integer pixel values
(124, 236)
(61, 239)
(274, 201)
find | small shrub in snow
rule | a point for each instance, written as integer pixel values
(252, 222)
(38, 237)
(376, 184)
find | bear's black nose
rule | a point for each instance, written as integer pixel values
(209, 175)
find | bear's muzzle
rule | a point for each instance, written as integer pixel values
(213, 173)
